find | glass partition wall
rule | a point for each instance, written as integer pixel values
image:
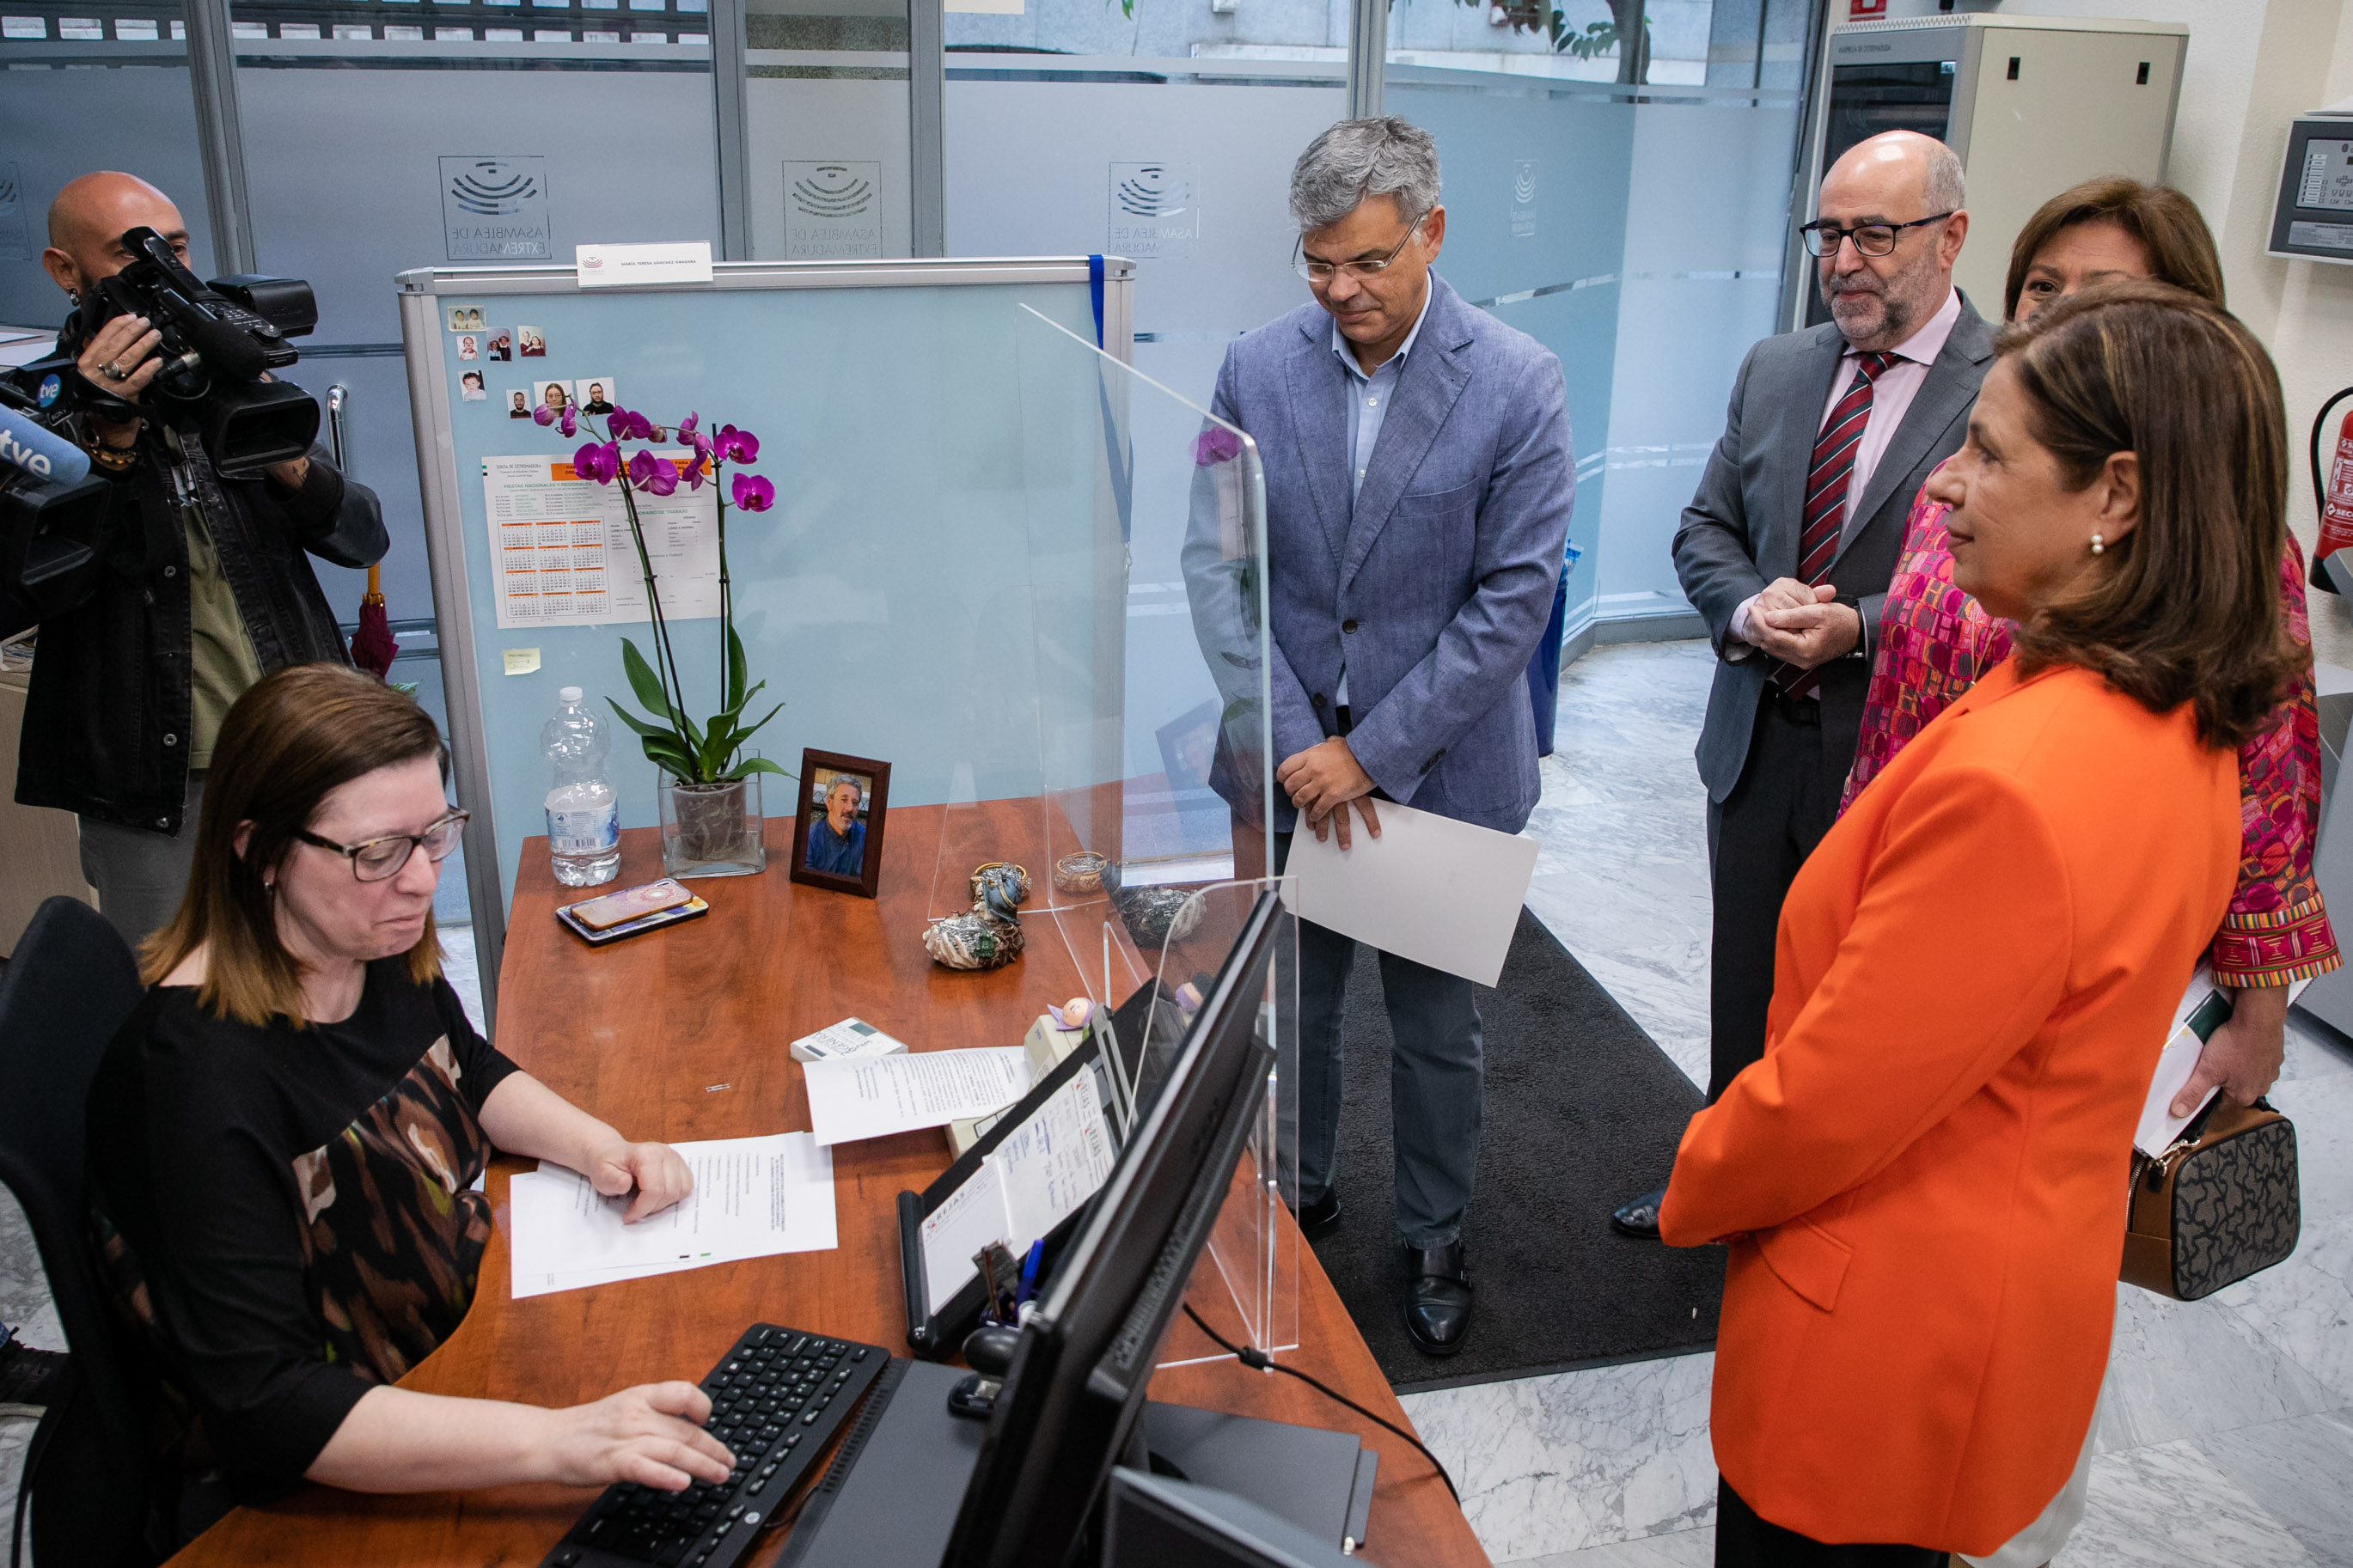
(1629, 212)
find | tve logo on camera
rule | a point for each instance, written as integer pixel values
(495, 209)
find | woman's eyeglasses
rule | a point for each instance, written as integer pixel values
(380, 858)
(1322, 271)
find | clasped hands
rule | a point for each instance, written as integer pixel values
(1797, 623)
(1322, 781)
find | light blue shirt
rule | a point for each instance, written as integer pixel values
(1368, 405)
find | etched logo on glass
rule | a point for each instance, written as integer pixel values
(1524, 199)
(15, 239)
(495, 209)
(1155, 210)
(833, 210)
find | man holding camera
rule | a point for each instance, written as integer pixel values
(203, 588)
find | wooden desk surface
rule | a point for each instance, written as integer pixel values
(682, 1034)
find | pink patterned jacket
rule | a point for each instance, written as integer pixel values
(1935, 641)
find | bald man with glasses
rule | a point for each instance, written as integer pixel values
(1787, 549)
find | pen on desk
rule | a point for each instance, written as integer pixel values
(1030, 1273)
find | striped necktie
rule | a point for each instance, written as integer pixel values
(1826, 486)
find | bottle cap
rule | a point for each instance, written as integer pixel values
(568, 694)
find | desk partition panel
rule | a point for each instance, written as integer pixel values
(997, 559)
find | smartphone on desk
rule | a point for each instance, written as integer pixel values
(630, 912)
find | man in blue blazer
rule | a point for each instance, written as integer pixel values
(1419, 481)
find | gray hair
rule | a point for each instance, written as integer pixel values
(1941, 185)
(1359, 159)
(838, 780)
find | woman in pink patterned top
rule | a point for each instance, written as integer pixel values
(1935, 641)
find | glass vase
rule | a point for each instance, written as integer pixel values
(712, 830)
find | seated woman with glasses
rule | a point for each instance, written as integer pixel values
(285, 1141)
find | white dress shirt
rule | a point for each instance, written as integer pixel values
(1891, 399)
(1368, 405)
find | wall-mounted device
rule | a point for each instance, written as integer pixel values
(2312, 219)
(2032, 104)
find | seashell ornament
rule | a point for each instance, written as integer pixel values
(974, 940)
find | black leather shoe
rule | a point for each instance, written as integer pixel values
(1437, 1299)
(1320, 1215)
(1638, 1217)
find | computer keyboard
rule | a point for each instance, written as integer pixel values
(777, 1399)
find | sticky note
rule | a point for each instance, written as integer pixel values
(521, 660)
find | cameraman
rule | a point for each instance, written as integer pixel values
(204, 591)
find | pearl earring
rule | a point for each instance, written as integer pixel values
(2099, 547)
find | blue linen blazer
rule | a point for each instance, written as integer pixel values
(1444, 564)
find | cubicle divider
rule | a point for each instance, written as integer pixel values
(997, 559)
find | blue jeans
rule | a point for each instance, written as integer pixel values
(1435, 1076)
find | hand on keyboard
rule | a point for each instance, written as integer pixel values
(651, 1435)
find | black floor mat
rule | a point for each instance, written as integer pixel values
(1582, 1111)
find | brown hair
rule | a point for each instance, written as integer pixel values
(297, 736)
(2168, 224)
(2188, 607)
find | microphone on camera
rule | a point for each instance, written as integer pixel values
(39, 451)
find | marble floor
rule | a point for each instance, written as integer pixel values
(2227, 1438)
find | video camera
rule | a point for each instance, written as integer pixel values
(218, 339)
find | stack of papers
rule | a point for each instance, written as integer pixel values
(754, 1197)
(1043, 1171)
(873, 1096)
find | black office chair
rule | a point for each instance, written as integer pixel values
(69, 987)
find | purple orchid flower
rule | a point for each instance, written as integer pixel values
(627, 425)
(599, 462)
(566, 423)
(686, 426)
(738, 446)
(1214, 446)
(696, 471)
(655, 476)
(754, 493)
(542, 415)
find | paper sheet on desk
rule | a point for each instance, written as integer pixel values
(873, 1096)
(754, 1197)
(1430, 889)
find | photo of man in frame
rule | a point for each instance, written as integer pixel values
(836, 828)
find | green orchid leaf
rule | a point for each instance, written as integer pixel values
(667, 755)
(735, 709)
(749, 730)
(751, 766)
(738, 671)
(644, 682)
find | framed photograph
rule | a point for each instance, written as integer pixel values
(837, 826)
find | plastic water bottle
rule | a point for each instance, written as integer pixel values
(584, 817)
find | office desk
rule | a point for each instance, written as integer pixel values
(682, 1034)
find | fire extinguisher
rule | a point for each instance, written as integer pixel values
(2332, 496)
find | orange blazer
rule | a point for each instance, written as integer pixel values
(1922, 1181)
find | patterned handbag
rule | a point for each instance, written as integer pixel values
(2223, 1203)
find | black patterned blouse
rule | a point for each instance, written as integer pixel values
(287, 1212)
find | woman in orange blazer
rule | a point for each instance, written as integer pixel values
(1923, 1183)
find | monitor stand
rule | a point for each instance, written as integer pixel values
(893, 1491)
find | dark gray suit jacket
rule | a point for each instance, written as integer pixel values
(1740, 531)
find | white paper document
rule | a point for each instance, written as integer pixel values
(619, 266)
(1430, 889)
(2201, 1012)
(1026, 1186)
(874, 1097)
(561, 553)
(753, 1197)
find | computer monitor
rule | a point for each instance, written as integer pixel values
(1155, 1522)
(1071, 1398)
